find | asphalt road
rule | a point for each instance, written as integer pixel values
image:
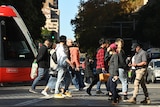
(18, 95)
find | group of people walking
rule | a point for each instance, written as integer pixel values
(110, 58)
(67, 53)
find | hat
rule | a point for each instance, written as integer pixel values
(62, 38)
(113, 46)
(134, 45)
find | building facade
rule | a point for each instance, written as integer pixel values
(52, 13)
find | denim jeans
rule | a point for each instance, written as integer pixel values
(60, 79)
(67, 79)
(77, 80)
(42, 73)
(98, 85)
(52, 82)
(123, 79)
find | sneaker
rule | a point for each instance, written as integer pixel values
(118, 90)
(44, 93)
(99, 92)
(131, 100)
(51, 91)
(125, 98)
(114, 103)
(88, 91)
(80, 89)
(68, 94)
(119, 99)
(146, 101)
(110, 97)
(32, 91)
(58, 95)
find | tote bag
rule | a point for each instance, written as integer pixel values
(104, 77)
(34, 69)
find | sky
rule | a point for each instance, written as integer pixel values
(68, 10)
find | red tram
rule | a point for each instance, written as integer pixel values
(17, 49)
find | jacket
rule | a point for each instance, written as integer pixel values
(74, 55)
(61, 55)
(43, 57)
(113, 65)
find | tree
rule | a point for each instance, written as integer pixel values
(95, 20)
(149, 24)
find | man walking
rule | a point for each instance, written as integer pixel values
(140, 64)
(43, 64)
(62, 61)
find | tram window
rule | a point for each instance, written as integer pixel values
(15, 44)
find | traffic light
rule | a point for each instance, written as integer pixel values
(52, 36)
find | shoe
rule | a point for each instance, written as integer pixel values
(118, 90)
(86, 83)
(80, 89)
(68, 94)
(52, 91)
(76, 89)
(88, 91)
(110, 97)
(146, 101)
(99, 92)
(58, 95)
(119, 99)
(32, 91)
(131, 100)
(44, 93)
(125, 98)
(114, 103)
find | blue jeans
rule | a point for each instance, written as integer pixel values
(60, 79)
(42, 73)
(123, 79)
(77, 80)
(98, 85)
(52, 82)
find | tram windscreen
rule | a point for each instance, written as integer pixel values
(14, 43)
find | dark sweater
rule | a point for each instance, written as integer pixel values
(43, 57)
(122, 59)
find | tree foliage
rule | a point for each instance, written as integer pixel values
(149, 23)
(99, 18)
(95, 20)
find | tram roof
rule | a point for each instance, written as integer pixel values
(7, 11)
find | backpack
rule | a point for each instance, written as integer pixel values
(54, 57)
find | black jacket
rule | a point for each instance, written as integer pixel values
(43, 57)
(122, 60)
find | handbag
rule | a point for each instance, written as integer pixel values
(34, 69)
(53, 72)
(104, 77)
